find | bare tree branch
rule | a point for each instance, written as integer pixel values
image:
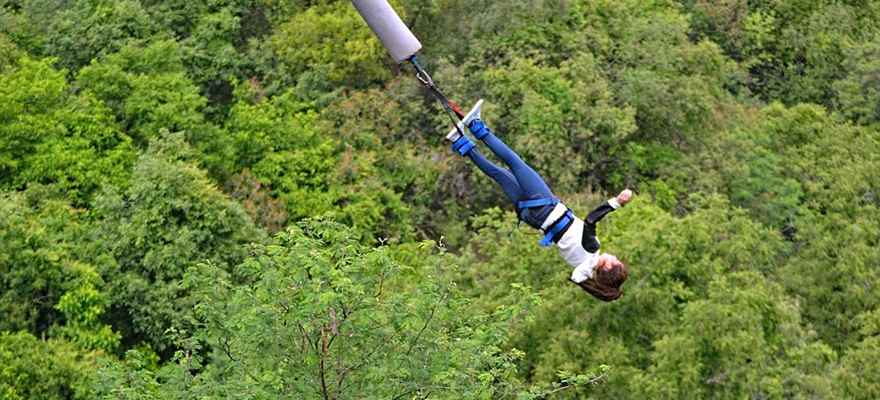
(425, 326)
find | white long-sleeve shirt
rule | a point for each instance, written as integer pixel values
(571, 247)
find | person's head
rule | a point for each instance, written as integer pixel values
(608, 277)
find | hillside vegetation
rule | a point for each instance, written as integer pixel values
(249, 199)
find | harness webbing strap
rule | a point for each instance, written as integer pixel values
(547, 201)
(557, 227)
(463, 145)
(554, 228)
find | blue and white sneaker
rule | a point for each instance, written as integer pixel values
(473, 114)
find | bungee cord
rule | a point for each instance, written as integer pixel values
(452, 109)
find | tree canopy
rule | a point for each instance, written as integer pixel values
(251, 199)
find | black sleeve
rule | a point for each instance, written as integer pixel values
(589, 240)
(599, 213)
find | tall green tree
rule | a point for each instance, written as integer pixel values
(9, 52)
(745, 339)
(50, 136)
(168, 219)
(309, 163)
(31, 368)
(49, 281)
(147, 86)
(322, 316)
(858, 93)
(83, 31)
(856, 375)
(320, 50)
(807, 174)
(794, 50)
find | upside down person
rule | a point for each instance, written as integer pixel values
(599, 274)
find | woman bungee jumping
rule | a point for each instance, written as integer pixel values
(599, 274)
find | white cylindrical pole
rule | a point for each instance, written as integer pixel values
(390, 29)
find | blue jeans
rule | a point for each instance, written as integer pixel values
(519, 183)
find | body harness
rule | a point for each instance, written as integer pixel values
(557, 226)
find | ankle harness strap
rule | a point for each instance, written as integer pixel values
(463, 145)
(479, 129)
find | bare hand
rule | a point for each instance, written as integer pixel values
(624, 197)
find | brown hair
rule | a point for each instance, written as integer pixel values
(605, 284)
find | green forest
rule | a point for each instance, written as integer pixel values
(250, 199)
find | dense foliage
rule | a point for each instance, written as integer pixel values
(250, 199)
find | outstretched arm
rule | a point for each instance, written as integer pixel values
(607, 207)
(589, 240)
